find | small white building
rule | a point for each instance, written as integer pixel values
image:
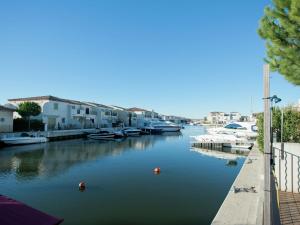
(142, 116)
(125, 117)
(6, 119)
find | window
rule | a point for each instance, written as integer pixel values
(2, 120)
(87, 111)
(78, 111)
(114, 114)
(63, 120)
(73, 106)
(107, 113)
(55, 106)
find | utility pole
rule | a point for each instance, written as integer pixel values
(267, 149)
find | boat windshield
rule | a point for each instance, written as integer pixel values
(235, 126)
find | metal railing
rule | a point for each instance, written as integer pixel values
(286, 167)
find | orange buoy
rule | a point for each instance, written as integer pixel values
(156, 170)
(81, 186)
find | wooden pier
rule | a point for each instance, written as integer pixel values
(209, 145)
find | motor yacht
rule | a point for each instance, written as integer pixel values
(239, 129)
(131, 131)
(165, 126)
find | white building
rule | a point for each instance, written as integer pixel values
(142, 116)
(58, 113)
(126, 118)
(6, 119)
(216, 117)
(222, 117)
(235, 116)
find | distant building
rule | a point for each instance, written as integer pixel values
(216, 117)
(175, 119)
(6, 119)
(235, 116)
(222, 117)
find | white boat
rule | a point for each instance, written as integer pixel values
(25, 139)
(102, 135)
(132, 132)
(239, 129)
(151, 130)
(165, 126)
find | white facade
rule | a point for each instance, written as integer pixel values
(222, 117)
(6, 119)
(60, 113)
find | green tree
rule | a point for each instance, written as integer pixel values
(291, 125)
(27, 109)
(280, 27)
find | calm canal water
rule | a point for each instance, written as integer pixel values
(121, 188)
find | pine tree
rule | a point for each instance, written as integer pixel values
(280, 27)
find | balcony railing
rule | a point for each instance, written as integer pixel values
(287, 170)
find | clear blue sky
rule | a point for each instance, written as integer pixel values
(184, 57)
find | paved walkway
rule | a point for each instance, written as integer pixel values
(244, 202)
(289, 208)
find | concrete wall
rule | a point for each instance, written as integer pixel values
(6, 120)
(287, 169)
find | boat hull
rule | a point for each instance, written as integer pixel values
(101, 137)
(169, 129)
(24, 140)
(132, 134)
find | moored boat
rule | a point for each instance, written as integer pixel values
(165, 126)
(24, 139)
(151, 130)
(132, 132)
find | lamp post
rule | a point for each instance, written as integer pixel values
(268, 209)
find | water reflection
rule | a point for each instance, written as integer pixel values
(51, 159)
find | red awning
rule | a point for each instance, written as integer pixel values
(13, 212)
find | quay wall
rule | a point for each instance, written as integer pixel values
(59, 134)
(242, 205)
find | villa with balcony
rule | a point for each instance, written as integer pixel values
(58, 113)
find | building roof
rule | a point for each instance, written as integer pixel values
(135, 109)
(98, 105)
(119, 107)
(2, 107)
(49, 98)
